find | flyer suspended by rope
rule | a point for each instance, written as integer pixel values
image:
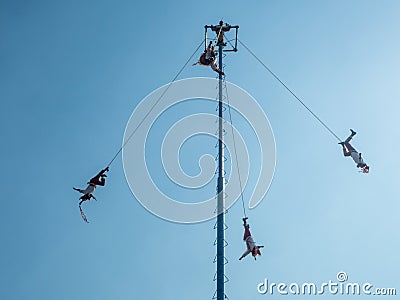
(348, 150)
(98, 180)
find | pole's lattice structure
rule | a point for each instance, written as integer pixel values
(220, 31)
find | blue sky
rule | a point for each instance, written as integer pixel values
(71, 74)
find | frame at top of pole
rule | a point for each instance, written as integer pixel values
(220, 30)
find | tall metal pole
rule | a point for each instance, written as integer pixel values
(221, 185)
(220, 259)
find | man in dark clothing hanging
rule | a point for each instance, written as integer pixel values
(98, 180)
(349, 150)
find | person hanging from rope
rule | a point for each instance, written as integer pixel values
(250, 244)
(348, 150)
(98, 180)
(209, 58)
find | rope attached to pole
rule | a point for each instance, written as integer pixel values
(234, 147)
(290, 91)
(152, 107)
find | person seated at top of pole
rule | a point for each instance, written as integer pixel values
(349, 150)
(250, 244)
(220, 31)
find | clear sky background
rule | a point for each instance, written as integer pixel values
(71, 73)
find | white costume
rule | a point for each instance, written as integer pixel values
(356, 157)
(90, 189)
(250, 246)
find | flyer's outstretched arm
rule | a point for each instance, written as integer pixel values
(247, 252)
